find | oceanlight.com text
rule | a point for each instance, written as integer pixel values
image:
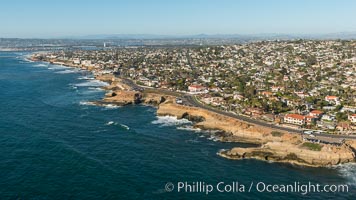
(238, 187)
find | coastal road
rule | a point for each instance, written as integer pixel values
(190, 100)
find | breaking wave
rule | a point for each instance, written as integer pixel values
(92, 83)
(67, 71)
(120, 125)
(57, 67)
(110, 123)
(125, 126)
(87, 103)
(86, 78)
(111, 106)
(170, 121)
(41, 65)
(347, 171)
(96, 88)
(189, 128)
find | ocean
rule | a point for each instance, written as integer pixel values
(55, 145)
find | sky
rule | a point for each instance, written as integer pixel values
(65, 18)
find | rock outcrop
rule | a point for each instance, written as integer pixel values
(121, 97)
(277, 146)
(296, 154)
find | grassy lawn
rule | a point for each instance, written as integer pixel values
(312, 146)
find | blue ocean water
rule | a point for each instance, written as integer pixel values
(53, 145)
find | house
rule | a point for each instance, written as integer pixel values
(266, 94)
(352, 118)
(327, 117)
(76, 61)
(326, 125)
(310, 119)
(196, 88)
(164, 84)
(294, 119)
(268, 117)
(285, 78)
(301, 94)
(343, 126)
(333, 99)
(348, 108)
(216, 101)
(316, 113)
(238, 97)
(256, 112)
(276, 88)
(329, 107)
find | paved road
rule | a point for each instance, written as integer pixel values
(190, 100)
(193, 101)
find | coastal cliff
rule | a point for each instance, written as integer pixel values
(294, 153)
(236, 130)
(275, 146)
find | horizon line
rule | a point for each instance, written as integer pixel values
(186, 36)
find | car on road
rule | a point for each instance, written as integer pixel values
(308, 132)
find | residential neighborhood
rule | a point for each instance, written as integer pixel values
(306, 84)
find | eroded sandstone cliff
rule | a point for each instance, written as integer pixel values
(277, 146)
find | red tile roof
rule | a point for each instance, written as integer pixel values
(331, 97)
(295, 116)
(316, 112)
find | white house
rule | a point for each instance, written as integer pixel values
(196, 89)
(294, 119)
(352, 118)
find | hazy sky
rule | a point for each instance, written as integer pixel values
(56, 18)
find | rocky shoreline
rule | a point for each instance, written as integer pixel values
(276, 146)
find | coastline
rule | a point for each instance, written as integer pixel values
(282, 147)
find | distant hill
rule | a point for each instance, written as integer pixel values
(266, 36)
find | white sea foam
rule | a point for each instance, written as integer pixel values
(67, 71)
(125, 126)
(192, 141)
(27, 59)
(41, 65)
(95, 88)
(111, 106)
(348, 171)
(110, 123)
(86, 103)
(213, 138)
(189, 128)
(86, 78)
(92, 83)
(58, 67)
(170, 121)
(73, 87)
(120, 125)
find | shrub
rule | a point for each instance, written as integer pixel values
(277, 134)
